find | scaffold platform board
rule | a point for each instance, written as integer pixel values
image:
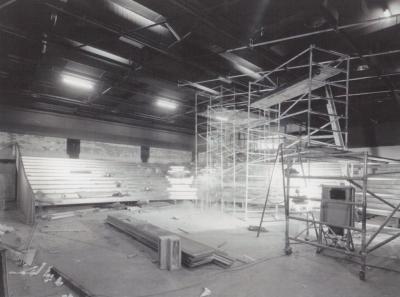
(299, 88)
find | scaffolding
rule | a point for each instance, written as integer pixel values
(295, 116)
(357, 170)
(220, 122)
(301, 103)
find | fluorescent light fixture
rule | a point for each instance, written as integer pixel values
(362, 67)
(131, 41)
(387, 13)
(221, 118)
(99, 52)
(105, 54)
(78, 82)
(242, 65)
(247, 71)
(203, 88)
(225, 79)
(167, 104)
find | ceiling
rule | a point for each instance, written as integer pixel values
(136, 52)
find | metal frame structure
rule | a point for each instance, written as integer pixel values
(300, 111)
(368, 166)
(220, 120)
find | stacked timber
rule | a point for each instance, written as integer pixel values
(193, 253)
(59, 181)
(181, 184)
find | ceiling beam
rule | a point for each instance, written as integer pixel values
(118, 33)
(5, 3)
(332, 20)
(17, 120)
(312, 33)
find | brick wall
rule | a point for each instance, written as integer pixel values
(37, 146)
(43, 146)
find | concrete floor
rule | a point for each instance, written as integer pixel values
(109, 263)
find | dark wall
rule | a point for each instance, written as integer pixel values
(373, 135)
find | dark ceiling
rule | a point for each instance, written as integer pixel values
(176, 40)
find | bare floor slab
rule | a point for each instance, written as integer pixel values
(109, 263)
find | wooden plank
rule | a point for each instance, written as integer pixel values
(3, 274)
(193, 252)
(98, 200)
(71, 283)
(299, 88)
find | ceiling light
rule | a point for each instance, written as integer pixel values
(203, 88)
(362, 67)
(105, 54)
(387, 13)
(167, 104)
(131, 41)
(100, 52)
(242, 65)
(77, 82)
(225, 79)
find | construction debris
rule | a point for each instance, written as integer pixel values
(206, 292)
(15, 255)
(48, 276)
(32, 271)
(6, 229)
(11, 239)
(256, 228)
(36, 272)
(133, 208)
(59, 282)
(184, 231)
(29, 257)
(193, 253)
(68, 214)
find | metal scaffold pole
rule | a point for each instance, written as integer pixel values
(364, 218)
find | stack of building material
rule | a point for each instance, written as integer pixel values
(169, 252)
(193, 253)
(181, 184)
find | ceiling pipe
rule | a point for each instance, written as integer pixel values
(332, 29)
(390, 52)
